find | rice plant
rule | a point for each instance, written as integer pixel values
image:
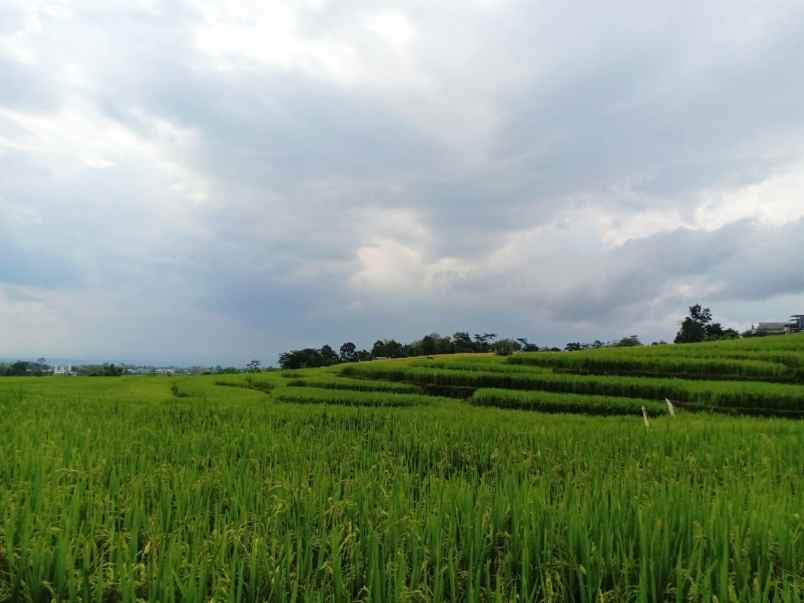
(568, 403)
(743, 396)
(311, 395)
(310, 486)
(364, 385)
(647, 365)
(133, 495)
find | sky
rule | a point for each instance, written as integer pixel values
(209, 182)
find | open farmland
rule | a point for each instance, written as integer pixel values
(458, 478)
(752, 376)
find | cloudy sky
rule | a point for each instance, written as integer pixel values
(191, 181)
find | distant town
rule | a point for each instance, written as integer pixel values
(73, 370)
(41, 367)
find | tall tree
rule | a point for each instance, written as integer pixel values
(483, 342)
(700, 315)
(19, 368)
(428, 347)
(694, 327)
(394, 349)
(506, 347)
(627, 342)
(462, 342)
(296, 359)
(328, 356)
(348, 352)
(378, 349)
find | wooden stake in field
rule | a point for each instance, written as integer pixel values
(645, 418)
(670, 408)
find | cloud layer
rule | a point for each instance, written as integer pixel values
(215, 181)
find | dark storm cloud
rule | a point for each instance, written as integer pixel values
(638, 116)
(348, 170)
(743, 261)
(768, 263)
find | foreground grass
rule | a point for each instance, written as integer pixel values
(118, 490)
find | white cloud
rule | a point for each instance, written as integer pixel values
(80, 138)
(776, 200)
(392, 28)
(262, 164)
(268, 33)
(97, 163)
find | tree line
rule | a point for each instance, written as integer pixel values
(698, 326)
(459, 343)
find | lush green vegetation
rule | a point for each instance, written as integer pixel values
(310, 486)
(745, 396)
(312, 395)
(362, 385)
(574, 403)
(697, 327)
(459, 343)
(635, 363)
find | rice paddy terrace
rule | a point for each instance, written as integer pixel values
(533, 477)
(760, 376)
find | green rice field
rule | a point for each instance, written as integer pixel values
(533, 477)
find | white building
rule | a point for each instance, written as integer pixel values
(777, 328)
(63, 369)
